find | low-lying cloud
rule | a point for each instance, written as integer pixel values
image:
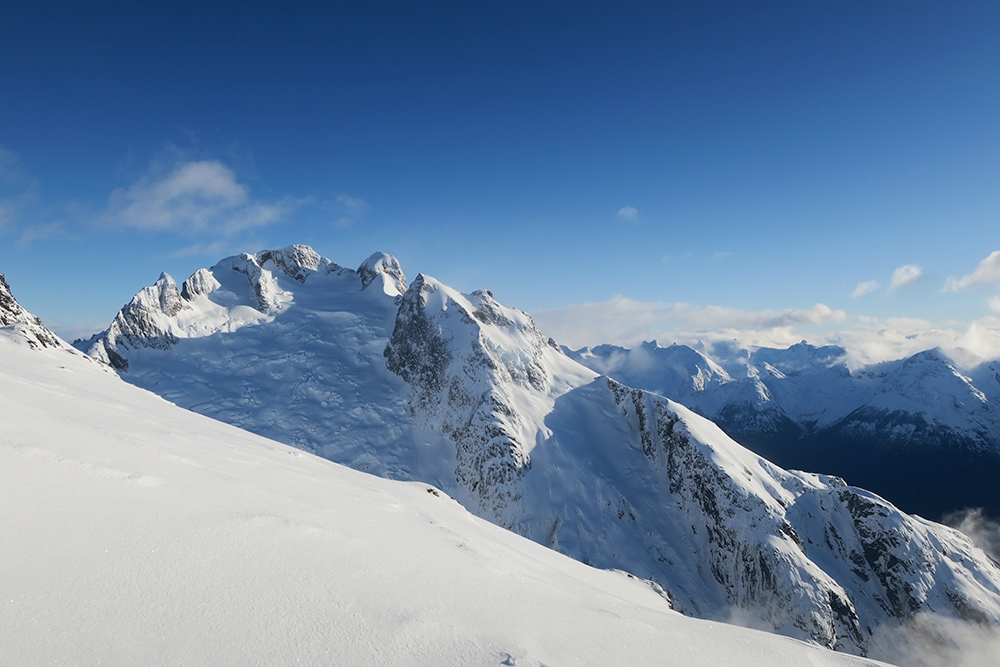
(931, 640)
(625, 322)
(984, 532)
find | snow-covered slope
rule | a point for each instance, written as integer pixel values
(803, 407)
(139, 533)
(286, 344)
(460, 391)
(14, 316)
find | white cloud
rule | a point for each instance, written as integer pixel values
(987, 274)
(17, 191)
(353, 208)
(870, 340)
(626, 322)
(195, 197)
(932, 640)
(865, 288)
(10, 168)
(49, 230)
(994, 304)
(628, 214)
(622, 321)
(7, 213)
(905, 276)
(984, 532)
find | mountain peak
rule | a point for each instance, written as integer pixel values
(13, 313)
(387, 266)
(296, 261)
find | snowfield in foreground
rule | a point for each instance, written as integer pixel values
(138, 533)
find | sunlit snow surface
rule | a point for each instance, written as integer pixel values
(422, 382)
(135, 532)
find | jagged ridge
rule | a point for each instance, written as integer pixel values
(460, 391)
(12, 314)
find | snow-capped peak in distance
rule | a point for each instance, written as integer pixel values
(806, 407)
(462, 392)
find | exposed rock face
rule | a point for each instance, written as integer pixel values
(200, 283)
(12, 314)
(803, 407)
(462, 392)
(448, 346)
(143, 322)
(619, 477)
(387, 268)
(857, 562)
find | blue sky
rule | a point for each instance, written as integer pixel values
(623, 171)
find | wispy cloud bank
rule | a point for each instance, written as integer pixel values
(628, 214)
(905, 276)
(193, 198)
(865, 288)
(870, 340)
(353, 208)
(49, 230)
(932, 640)
(16, 190)
(981, 530)
(986, 275)
(625, 322)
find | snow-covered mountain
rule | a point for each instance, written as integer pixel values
(425, 383)
(922, 431)
(137, 533)
(29, 327)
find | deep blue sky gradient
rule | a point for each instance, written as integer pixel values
(777, 153)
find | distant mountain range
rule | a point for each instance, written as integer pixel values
(921, 431)
(421, 382)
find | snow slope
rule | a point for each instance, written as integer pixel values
(459, 391)
(139, 533)
(16, 318)
(924, 430)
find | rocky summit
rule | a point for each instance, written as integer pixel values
(31, 329)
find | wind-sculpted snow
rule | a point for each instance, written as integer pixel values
(462, 392)
(13, 315)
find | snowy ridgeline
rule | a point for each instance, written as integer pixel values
(923, 431)
(139, 533)
(421, 382)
